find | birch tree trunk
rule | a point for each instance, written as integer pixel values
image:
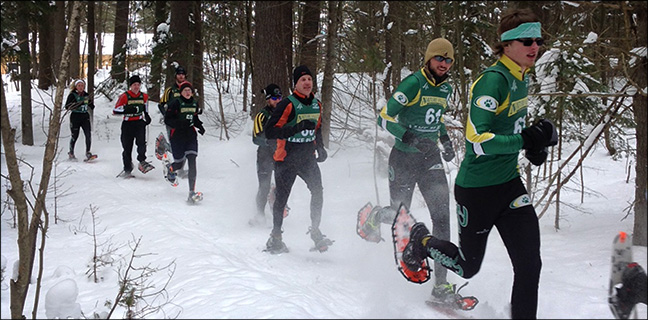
(28, 231)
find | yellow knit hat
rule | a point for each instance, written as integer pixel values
(439, 47)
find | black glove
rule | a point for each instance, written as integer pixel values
(130, 109)
(426, 146)
(147, 118)
(448, 152)
(633, 278)
(537, 157)
(201, 129)
(408, 137)
(91, 105)
(304, 125)
(540, 135)
(321, 154)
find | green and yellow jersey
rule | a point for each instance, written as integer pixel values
(498, 108)
(417, 105)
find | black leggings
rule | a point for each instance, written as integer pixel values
(508, 207)
(285, 174)
(80, 121)
(265, 165)
(133, 130)
(191, 162)
(185, 148)
(406, 170)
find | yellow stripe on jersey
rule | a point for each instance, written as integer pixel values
(384, 118)
(475, 138)
(165, 96)
(258, 123)
(416, 99)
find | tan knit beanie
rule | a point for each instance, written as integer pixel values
(439, 47)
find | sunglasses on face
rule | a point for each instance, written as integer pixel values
(441, 59)
(275, 98)
(527, 42)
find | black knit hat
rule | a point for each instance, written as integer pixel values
(272, 90)
(181, 70)
(299, 72)
(134, 79)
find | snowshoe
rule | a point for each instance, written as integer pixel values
(89, 157)
(618, 293)
(275, 245)
(125, 174)
(71, 156)
(414, 251)
(444, 296)
(194, 197)
(367, 226)
(322, 243)
(145, 167)
(628, 292)
(418, 270)
(161, 146)
(169, 174)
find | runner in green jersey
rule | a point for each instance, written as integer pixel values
(296, 124)
(182, 117)
(414, 115)
(79, 103)
(488, 189)
(265, 151)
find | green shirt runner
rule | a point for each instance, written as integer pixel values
(419, 104)
(498, 108)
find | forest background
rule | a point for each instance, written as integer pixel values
(597, 54)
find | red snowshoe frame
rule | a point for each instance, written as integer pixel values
(401, 227)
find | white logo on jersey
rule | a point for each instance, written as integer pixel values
(401, 98)
(514, 86)
(487, 103)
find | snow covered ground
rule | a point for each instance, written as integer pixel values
(220, 270)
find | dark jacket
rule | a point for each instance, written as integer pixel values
(281, 127)
(182, 116)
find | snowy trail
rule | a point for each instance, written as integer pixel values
(221, 271)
